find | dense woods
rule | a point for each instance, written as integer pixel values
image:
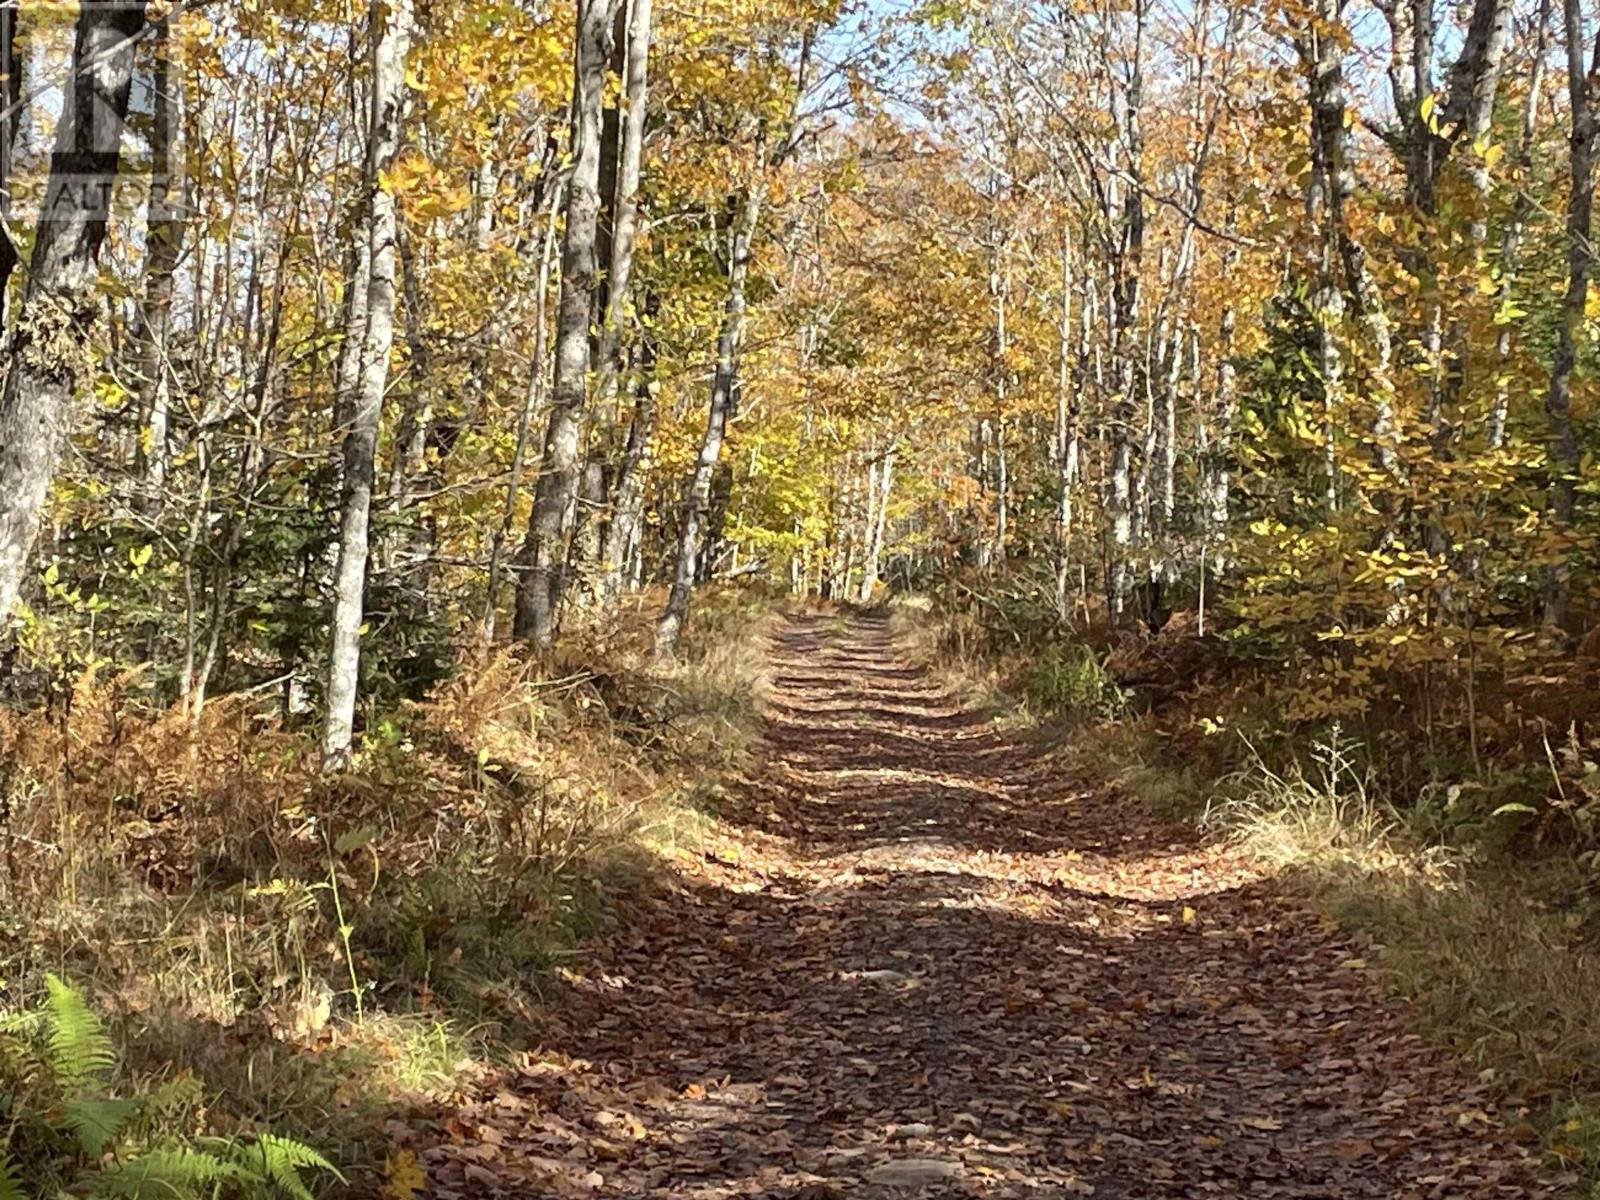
(414, 318)
(409, 407)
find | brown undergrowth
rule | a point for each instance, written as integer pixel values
(1476, 882)
(321, 952)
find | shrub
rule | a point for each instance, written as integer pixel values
(1069, 678)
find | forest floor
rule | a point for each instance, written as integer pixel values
(918, 957)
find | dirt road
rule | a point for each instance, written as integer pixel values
(924, 962)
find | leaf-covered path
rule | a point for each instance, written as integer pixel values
(925, 964)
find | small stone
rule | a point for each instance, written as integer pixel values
(916, 1129)
(913, 1172)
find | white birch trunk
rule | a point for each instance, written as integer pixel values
(390, 45)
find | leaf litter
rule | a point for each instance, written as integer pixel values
(927, 964)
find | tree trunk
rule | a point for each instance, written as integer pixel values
(1563, 438)
(1428, 125)
(879, 516)
(50, 347)
(714, 527)
(608, 175)
(390, 45)
(595, 574)
(10, 95)
(1002, 494)
(625, 215)
(539, 588)
(1125, 346)
(697, 496)
(622, 534)
(1064, 446)
(1424, 142)
(1511, 239)
(11, 100)
(358, 273)
(533, 400)
(587, 534)
(164, 232)
(1219, 449)
(1001, 349)
(982, 545)
(1476, 78)
(411, 438)
(1322, 54)
(1164, 422)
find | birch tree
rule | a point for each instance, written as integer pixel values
(1126, 296)
(627, 491)
(725, 375)
(697, 491)
(163, 234)
(1583, 83)
(50, 354)
(544, 553)
(391, 40)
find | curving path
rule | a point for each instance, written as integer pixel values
(920, 962)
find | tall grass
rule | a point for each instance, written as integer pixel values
(1319, 814)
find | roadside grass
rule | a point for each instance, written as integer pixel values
(325, 955)
(1054, 682)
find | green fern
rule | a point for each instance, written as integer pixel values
(173, 1096)
(80, 1048)
(21, 1062)
(97, 1121)
(71, 1058)
(167, 1172)
(10, 1185)
(281, 1160)
(21, 1024)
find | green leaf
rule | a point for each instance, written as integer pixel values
(281, 1160)
(168, 1172)
(354, 839)
(173, 1095)
(21, 1023)
(80, 1049)
(1505, 809)
(10, 1184)
(96, 1121)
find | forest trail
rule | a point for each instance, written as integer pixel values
(931, 966)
